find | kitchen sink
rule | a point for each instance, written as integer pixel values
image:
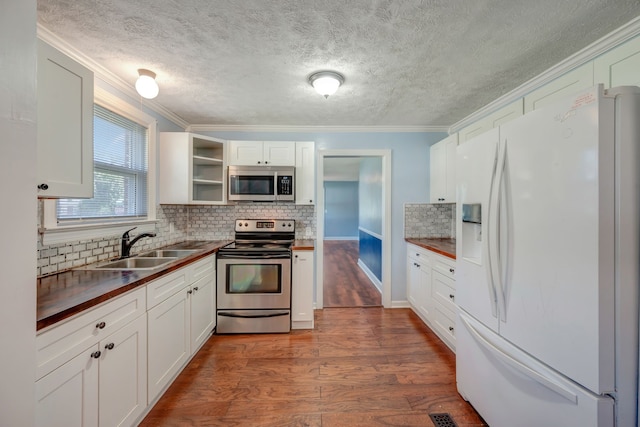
(135, 263)
(167, 253)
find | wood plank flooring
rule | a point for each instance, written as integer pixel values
(359, 367)
(345, 284)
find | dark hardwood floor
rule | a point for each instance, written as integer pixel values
(359, 367)
(345, 284)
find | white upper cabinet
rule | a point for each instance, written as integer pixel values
(305, 173)
(442, 170)
(258, 153)
(65, 126)
(565, 85)
(192, 169)
(495, 119)
(619, 66)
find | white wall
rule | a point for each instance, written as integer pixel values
(18, 224)
(371, 194)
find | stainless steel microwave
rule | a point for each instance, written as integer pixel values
(261, 183)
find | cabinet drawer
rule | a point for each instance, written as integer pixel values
(443, 290)
(418, 254)
(444, 265)
(62, 342)
(445, 324)
(202, 268)
(166, 286)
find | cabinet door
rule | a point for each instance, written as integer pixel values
(413, 282)
(68, 396)
(567, 84)
(495, 119)
(302, 288)
(123, 374)
(423, 291)
(65, 126)
(279, 153)
(168, 341)
(305, 173)
(437, 172)
(203, 310)
(245, 153)
(450, 169)
(619, 66)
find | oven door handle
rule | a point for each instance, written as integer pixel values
(253, 316)
(256, 256)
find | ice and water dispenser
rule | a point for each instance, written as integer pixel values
(472, 232)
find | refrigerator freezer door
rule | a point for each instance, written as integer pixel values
(510, 388)
(559, 260)
(476, 161)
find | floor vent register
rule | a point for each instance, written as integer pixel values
(442, 420)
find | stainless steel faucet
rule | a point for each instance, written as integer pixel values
(125, 247)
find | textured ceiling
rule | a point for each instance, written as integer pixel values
(406, 63)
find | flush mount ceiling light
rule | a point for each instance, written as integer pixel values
(326, 82)
(146, 84)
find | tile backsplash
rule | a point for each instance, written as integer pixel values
(175, 223)
(430, 220)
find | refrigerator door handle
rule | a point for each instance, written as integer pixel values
(495, 236)
(487, 241)
(511, 361)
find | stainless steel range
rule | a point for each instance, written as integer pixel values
(254, 278)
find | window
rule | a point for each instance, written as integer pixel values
(120, 172)
(123, 162)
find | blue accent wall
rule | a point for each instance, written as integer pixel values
(371, 253)
(341, 207)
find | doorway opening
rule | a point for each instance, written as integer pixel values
(353, 224)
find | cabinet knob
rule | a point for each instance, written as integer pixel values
(189, 292)
(96, 354)
(109, 346)
(452, 270)
(418, 265)
(451, 328)
(195, 289)
(453, 297)
(43, 187)
(265, 162)
(296, 256)
(259, 162)
(101, 325)
(310, 201)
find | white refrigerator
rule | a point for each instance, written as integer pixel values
(547, 265)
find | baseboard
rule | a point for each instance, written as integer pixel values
(400, 304)
(372, 277)
(342, 238)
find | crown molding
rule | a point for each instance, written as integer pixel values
(589, 53)
(313, 129)
(105, 75)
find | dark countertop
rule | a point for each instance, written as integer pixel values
(446, 247)
(303, 245)
(68, 293)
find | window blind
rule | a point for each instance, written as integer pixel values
(120, 154)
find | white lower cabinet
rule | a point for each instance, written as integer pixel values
(179, 324)
(122, 375)
(302, 274)
(104, 385)
(419, 282)
(168, 341)
(431, 291)
(68, 396)
(106, 366)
